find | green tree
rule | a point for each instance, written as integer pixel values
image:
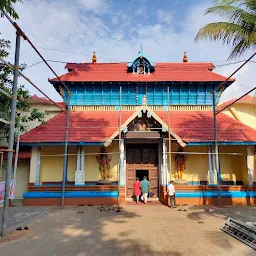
(238, 27)
(7, 5)
(24, 112)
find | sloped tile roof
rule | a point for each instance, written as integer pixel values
(117, 72)
(190, 126)
(197, 126)
(248, 99)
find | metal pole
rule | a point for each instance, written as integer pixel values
(11, 136)
(65, 167)
(16, 155)
(216, 144)
(169, 135)
(120, 123)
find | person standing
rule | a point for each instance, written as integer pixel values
(136, 189)
(145, 189)
(171, 193)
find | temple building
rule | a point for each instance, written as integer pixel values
(137, 119)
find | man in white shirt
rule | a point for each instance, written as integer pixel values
(171, 193)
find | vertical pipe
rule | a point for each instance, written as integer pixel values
(65, 168)
(216, 144)
(11, 136)
(120, 123)
(169, 136)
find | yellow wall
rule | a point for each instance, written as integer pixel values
(51, 168)
(91, 166)
(233, 167)
(196, 166)
(22, 178)
(33, 162)
(50, 111)
(245, 112)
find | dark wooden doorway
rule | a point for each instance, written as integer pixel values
(142, 158)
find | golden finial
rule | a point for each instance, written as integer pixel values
(185, 58)
(94, 58)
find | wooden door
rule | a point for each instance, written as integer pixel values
(142, 157)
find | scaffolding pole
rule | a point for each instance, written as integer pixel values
(65, 167)
(120, 123)
(216, 144)
(169, 136)
(16, 154)
(11, 136)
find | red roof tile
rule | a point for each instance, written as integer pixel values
(117, 72)
(190, 126)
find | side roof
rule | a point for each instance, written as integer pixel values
(100, 126)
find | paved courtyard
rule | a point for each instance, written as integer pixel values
(136, 230)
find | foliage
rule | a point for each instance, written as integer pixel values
(7, 5)
(24, 112)
(239, 29)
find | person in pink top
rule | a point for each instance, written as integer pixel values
(137, 189)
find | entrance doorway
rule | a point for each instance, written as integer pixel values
(141, 160)
(141, 173)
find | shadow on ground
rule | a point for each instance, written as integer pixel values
(84, 231)
(242, 213)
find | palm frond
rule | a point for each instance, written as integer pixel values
(229, 33)
(231, 13)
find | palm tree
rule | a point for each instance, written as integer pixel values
(239, 29)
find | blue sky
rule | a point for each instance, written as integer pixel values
(70, 31)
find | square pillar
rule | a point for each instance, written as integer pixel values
(164, 165)
(250, 164)
(121, 163)
(34, 175)
(79, 173)
(212, 171)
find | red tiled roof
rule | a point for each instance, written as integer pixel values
(117, 72)
(196, 126)
(23, 154)
(246, 99)
(83, 126)
(190, 126)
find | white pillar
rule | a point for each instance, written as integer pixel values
(121, 162)
(34, 174)
(165, 167)
(212, 172)
(37, 175)
(78, 161)
(250, 164)
(82, 159)
(79, 174)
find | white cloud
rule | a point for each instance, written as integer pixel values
(117, 38)
(165, 17)
(95, 5)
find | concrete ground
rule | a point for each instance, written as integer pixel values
(136, 230)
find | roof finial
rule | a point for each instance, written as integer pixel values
(141, 48)
(185, 58)
(94, 58)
